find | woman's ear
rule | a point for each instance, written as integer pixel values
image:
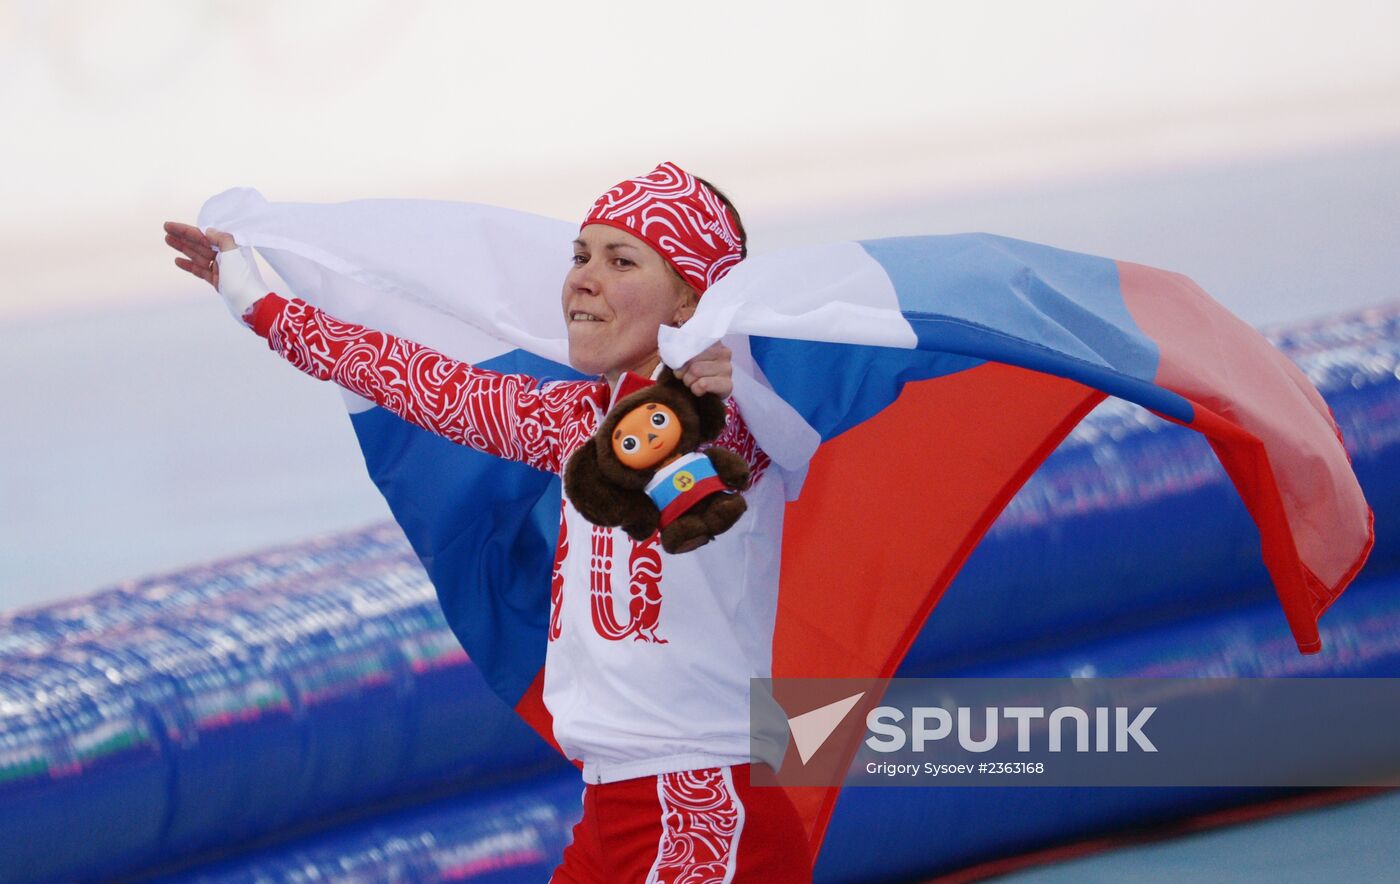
(685, 308)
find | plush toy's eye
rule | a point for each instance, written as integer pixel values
(630, 443)
(659, 419)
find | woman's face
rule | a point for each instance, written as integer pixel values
(616, 295)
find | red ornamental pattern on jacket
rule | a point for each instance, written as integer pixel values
(507, 415)
(556, 580)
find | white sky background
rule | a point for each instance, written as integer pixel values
(118, 115)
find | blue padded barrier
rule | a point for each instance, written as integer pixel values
(223, 704)
(511, 835)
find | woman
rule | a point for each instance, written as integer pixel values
(653, 702)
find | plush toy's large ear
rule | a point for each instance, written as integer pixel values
(602, 502)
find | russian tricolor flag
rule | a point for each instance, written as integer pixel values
(905, 388)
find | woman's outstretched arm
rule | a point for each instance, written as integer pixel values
(511, 416)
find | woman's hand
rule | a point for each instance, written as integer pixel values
(197, 248)
(709, 371)
(240, 285)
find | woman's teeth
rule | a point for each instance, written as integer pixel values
(583, 317)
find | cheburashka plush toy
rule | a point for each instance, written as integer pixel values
(640, 471)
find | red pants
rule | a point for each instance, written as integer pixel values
(689, 827)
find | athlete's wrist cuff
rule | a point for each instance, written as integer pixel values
(240, 283)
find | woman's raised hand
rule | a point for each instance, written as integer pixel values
(204, 252)
(197, 248)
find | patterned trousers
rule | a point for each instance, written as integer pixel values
(706, 826)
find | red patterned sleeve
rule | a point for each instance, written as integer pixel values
(737, 438)
(508, 415)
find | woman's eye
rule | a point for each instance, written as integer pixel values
(625, 262)
(629, 443)
(580, 260)
(659, 420)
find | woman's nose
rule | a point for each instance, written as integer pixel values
(582, 279)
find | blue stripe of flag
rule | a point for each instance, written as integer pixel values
(484, 529)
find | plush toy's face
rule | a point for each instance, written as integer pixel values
(646, 435)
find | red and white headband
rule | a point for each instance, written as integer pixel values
(683, 220)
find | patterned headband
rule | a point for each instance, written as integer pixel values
(682, 219)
